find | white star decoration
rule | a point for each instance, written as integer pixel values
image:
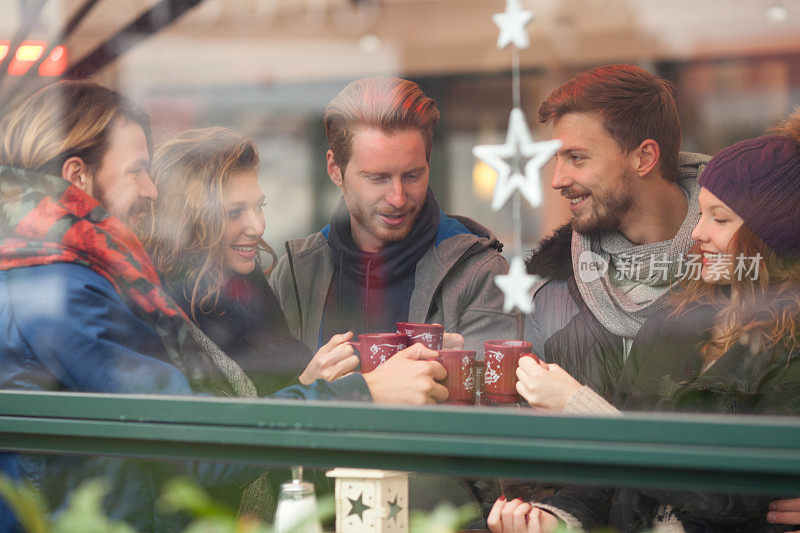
(519, 145)
(516, 287)
(512, 24)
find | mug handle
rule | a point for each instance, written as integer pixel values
(354, 344)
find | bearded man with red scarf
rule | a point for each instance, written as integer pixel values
(81, 305)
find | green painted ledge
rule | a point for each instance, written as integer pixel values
(743, 454)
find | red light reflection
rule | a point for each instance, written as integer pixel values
(56, 62)
(25, 56)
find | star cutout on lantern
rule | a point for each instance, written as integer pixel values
(512, 23)
(394, 509)
(516, 287)
(507, 160)
(358, 507)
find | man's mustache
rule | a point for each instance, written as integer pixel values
(573, 192)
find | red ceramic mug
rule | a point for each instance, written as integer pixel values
(375, 348)
(431, 335)
(460, 380)
(501, 358)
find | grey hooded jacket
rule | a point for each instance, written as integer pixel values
(453, 285)
(562, 328)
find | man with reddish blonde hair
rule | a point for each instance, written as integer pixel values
(390, 105)
(389, 255)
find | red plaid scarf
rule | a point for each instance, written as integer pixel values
(45, 220)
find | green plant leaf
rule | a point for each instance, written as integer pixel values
(215, 524)
(445, 518)
(26, 503)
(181, 494)
(85, 514)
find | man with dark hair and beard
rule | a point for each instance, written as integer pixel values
(633, 199)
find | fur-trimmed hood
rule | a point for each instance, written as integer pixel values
(553, 259)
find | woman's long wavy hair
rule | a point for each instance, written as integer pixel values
(762, 312)
(184, 232)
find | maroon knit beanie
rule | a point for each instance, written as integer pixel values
(759, 179)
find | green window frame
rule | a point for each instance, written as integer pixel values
(701, 452)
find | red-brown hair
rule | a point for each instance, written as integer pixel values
(764, 312)
(633, 104)
(389, 105)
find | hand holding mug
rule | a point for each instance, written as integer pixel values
(516, 516)
(408, 377)
(374, 349)
(785, 512)
(452, 341)
(332, 361)
(500, 360)
(544, 386)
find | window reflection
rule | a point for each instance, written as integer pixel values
(210, 158)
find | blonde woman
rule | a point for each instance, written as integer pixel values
(205, 238)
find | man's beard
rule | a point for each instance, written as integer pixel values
(386, 235)
(608, 208)
(139, 209)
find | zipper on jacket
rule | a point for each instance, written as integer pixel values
(612, 365)
(341, 290)
(607, 348)
(366, 298)
(296, 291)
(728, 393)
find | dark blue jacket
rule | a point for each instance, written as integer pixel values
(64, 328)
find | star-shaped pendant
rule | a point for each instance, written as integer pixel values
(516, 287)
(512, 23)
(394, 509)
(358, 506)
(514, 175)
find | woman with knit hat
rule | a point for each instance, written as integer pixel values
(728, 342)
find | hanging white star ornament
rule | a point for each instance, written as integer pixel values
(512, 23)
(516, 287)
(506, 159)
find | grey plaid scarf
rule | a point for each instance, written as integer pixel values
(638, 276)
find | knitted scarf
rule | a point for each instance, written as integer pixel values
(396, 260)
(371, 292)
(45, 220)
(638, 276)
